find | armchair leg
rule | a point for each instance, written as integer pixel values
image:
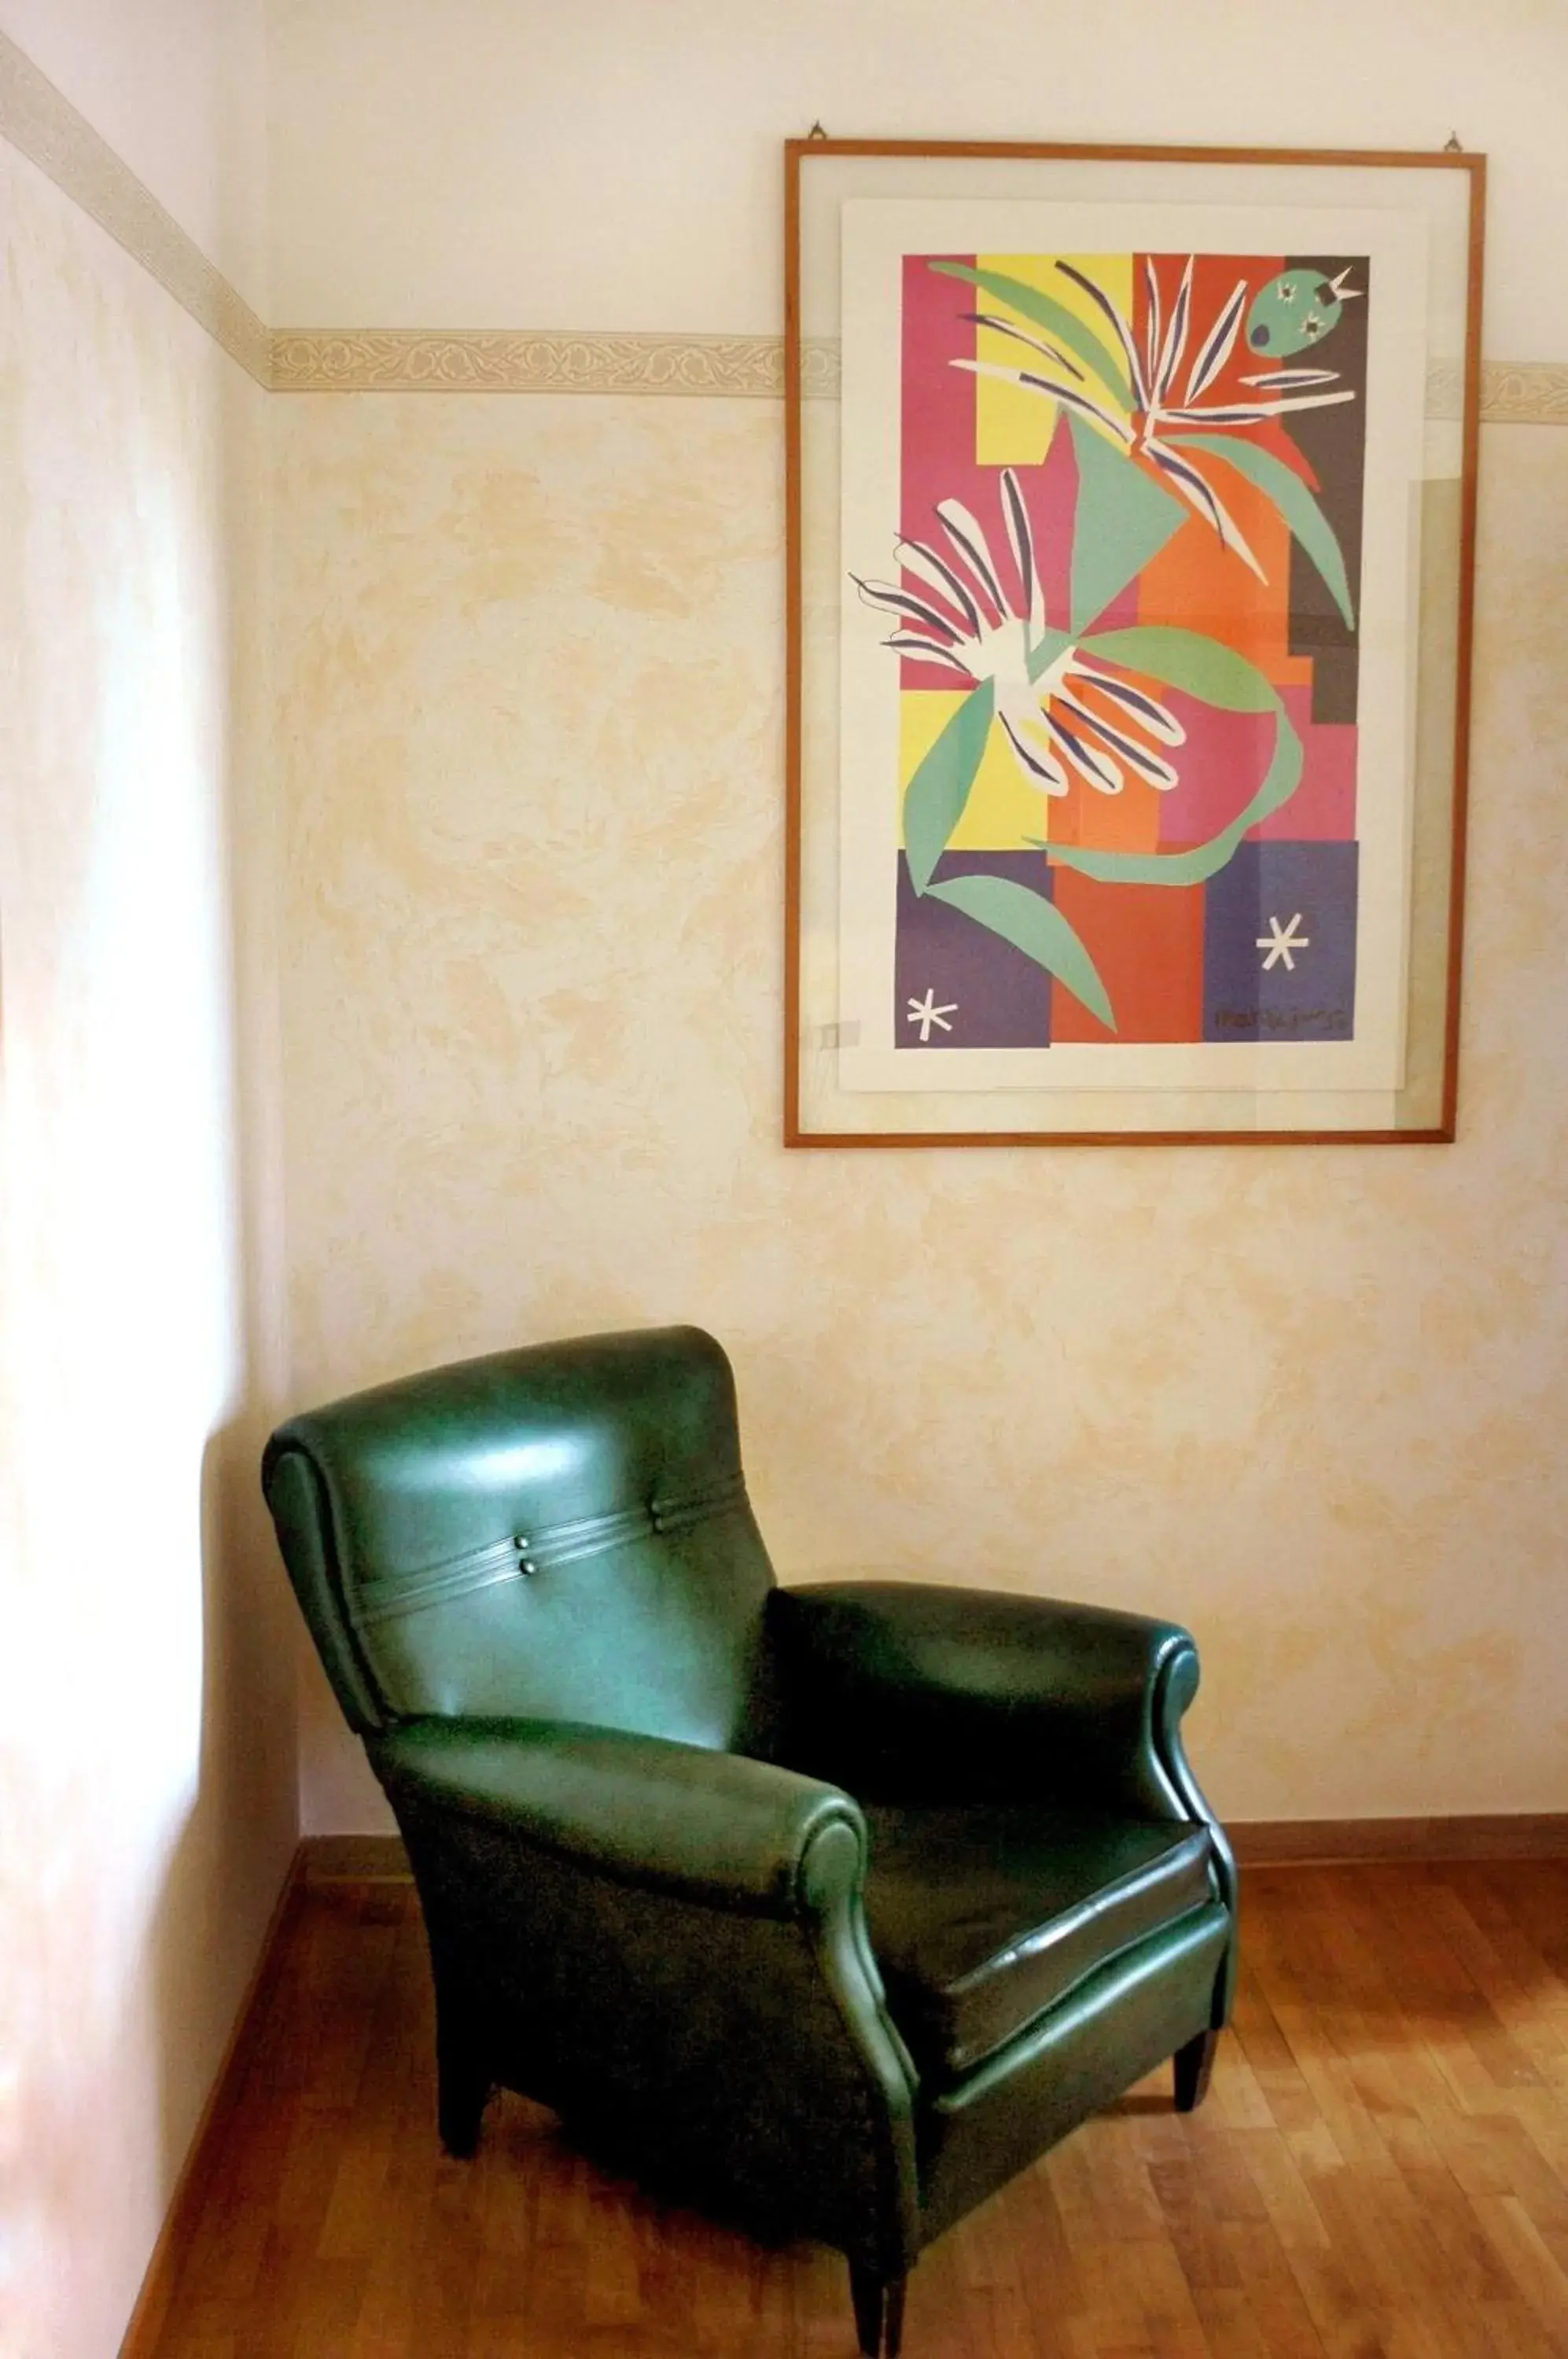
(878, 2311)
(893, 2331)
(1194, 2063)
(462, 2085)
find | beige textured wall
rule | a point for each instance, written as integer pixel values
(146, 1758)
(529, 677)
(530, 670)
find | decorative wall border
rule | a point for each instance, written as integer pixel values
(541, 360)
(44, 126)
(1524, 393)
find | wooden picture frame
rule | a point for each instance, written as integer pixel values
(1131, 502)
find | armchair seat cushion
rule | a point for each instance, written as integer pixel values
(984, 1915)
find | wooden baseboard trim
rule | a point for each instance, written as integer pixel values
(1303, 1842)
(1259, 1842)
(147, 2319)
(354, 1859)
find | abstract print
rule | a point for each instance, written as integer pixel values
(1123, 606)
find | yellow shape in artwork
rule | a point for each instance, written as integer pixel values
(1013, 423)
(1004, 812)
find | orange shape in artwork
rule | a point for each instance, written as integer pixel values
(1148, 942)
(1195, 583)
(1126, 822)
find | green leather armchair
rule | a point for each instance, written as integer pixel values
(835, 1905)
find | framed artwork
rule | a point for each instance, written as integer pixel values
(1131, 508)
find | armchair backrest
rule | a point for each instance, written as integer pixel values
(558, 1533)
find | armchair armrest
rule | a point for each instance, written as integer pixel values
(644, 1932)
(710, 1826)
(901, 1690)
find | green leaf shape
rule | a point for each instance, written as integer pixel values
(1033, 925)
(935, 796)
(1280, 780)
(1206, 667)
(1045, 650)
(1123, 518)
(1055, 318)
(1294, 501)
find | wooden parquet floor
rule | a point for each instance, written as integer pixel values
(1380, 2172)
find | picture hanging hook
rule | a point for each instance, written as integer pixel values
(1453, 145)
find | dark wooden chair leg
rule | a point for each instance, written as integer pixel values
(893, 2331)
(462, 2085)
(1194, 2063)
(878, 2311)
(865, 2292)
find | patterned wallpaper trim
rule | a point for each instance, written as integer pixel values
(44, 126)
(417, 360)
(433, 360)
(1522, 393)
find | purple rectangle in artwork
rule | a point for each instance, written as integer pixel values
(958, 986)
(1279, 944)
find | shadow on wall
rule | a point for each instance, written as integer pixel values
(223, 1876)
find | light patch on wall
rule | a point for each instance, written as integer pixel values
(145, 1818)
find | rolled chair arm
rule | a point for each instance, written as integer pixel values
(899, 1690)
(647, 1933)
(709, 1827)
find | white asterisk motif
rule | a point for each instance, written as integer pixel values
(925, 1013)
(1280, 941)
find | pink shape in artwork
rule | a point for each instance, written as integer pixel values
(1223, 763)
(1323, 808)
(937, 450)
(938, 424)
